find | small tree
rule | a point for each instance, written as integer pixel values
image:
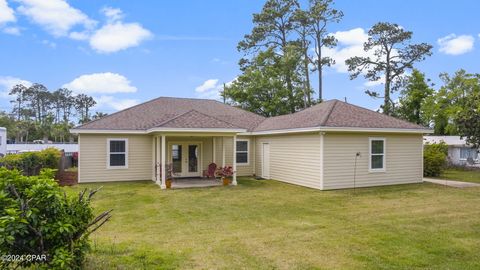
(37, 217)
(434, 159)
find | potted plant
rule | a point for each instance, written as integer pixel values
(226, 174)
(170, 174)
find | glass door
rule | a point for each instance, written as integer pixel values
(185, 158)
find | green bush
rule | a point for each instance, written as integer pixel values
(434, 159)
(38, 218)
(30, 163)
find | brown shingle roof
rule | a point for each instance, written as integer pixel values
(177, 112)
(204, 113)
(334, 113)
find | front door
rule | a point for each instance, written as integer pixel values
(185, 158)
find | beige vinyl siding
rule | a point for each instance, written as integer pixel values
(247, 170)
(294, 158)
(242, 170)
(403, 160)
(93, 159)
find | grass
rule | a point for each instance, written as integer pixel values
(272, 225)
(459, 174)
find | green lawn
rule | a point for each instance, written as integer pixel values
(461, 175)
(272, 225)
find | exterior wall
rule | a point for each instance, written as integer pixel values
(294, 158)
(242, 170)
(93, 159)
(404, 162)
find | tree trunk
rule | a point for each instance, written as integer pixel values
(307, 79)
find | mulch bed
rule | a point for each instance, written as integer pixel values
(67, 178)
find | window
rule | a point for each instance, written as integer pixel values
(467, 152)
(377, 154)
(117, 153)
(242, 152)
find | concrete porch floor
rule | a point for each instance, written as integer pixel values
(195, 182)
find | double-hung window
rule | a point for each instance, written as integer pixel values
(242, 151)
(117, 153)
(377, 154)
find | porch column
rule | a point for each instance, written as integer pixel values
(164, 176)
(214, 141)
(223, 152)
(157, 160)
(234, 180)
(154, 168)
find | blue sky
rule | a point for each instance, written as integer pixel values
(126, 52)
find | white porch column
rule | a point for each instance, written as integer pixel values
(157, 160)
(214, 142)
(154, 168)
(234, 180)
(223, 152)
(164, 176)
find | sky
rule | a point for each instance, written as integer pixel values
(126, 52)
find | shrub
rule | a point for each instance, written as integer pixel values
(30, 163)
(38, 218)
(434, 159)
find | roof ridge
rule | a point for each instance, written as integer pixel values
(335, 101)
(173, 118)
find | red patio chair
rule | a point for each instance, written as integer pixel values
(212, 168)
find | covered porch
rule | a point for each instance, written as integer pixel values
(189, 155)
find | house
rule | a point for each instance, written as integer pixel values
(331, 145)
(458, 149)
(3, 141)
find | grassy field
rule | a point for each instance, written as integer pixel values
(461, 175)
(272, 225)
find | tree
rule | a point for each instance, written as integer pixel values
(260, 89)
(320, 15)
(468, 120)
(99, 115)
(452, 99)
(392, 55)
(83, 103)
(271, 31)
(19, 91)
(413, 99)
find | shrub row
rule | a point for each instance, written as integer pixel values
(30, 163)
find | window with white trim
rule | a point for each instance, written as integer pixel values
(117, 153)
(377, 154)
(242, 151)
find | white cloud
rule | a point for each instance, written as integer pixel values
(207, 86)
(112, 14)
(84, 35)
(105, 83)
(115, 103)
(350, 43)
(56, 16)
(12, 30)
(211, 88)
(116, 35)
(8, 82)
(454, 45)
(6, 13)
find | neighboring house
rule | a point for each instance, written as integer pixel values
(316, 147)
(458, 149)
(3, 141)
(33, 147)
